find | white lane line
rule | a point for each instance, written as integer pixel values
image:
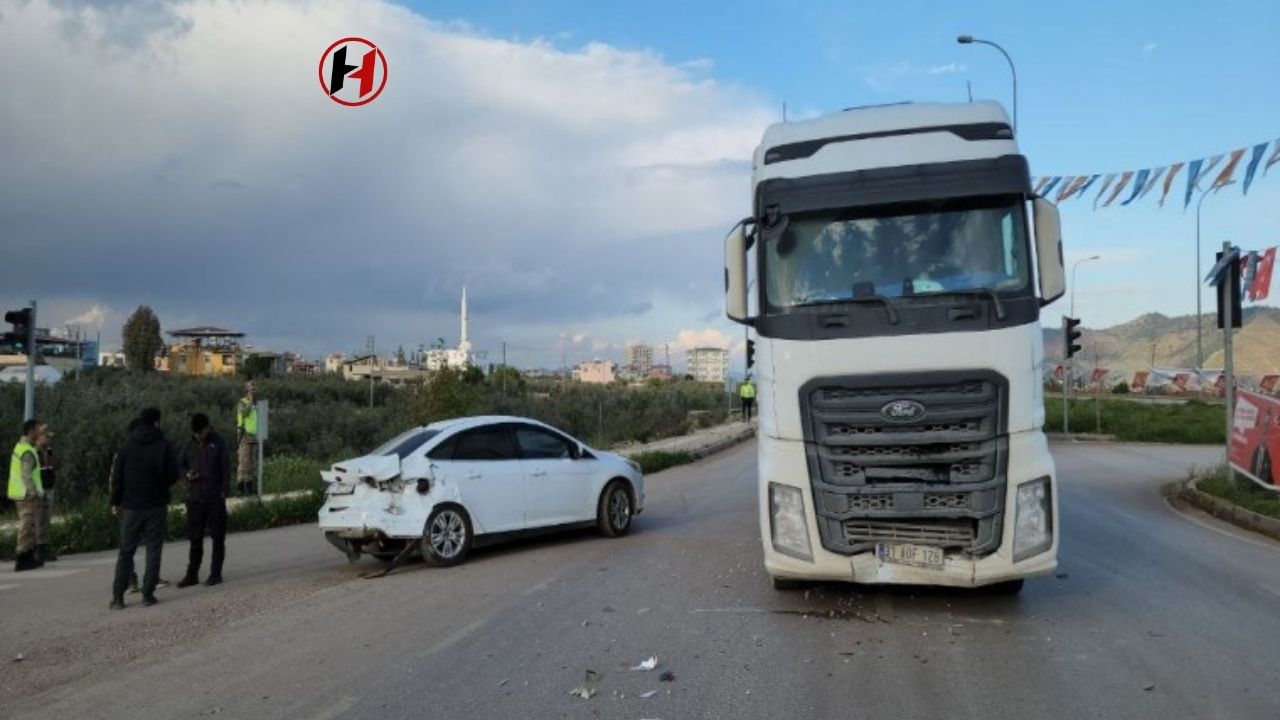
(455, 638)
(1234, 533)
(43, 574)
(340, 706)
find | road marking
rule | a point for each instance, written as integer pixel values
(1221, 531)
(455, 638)
(43, 574)
(340, 706)
(8, 587)
(538, 587)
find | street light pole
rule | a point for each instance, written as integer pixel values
(1068, 365)
(971, 40)
(1073, 280)
(1199, 314)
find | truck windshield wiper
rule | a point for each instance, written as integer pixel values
(888, 304)
(977, 292)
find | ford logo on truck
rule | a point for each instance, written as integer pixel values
(902, 411)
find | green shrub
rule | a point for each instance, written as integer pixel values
(1192, 422)
(1121, 388)
(1242, 492)
(658, 460)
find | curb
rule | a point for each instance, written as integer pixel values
(723, 443)
(1223, 510)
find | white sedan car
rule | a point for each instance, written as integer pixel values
(458, 483)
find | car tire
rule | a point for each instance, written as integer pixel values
(782, 584)
(615, 510)
(1008, 587)
(447, 537)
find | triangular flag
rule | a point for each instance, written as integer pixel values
(1258, 150)
(1088, 184)
(1275, 157)
(1138, 184)
(1102, 190)
(1208, 167)
(1224, 177)
(1071, 187)
(1040, 183)
(1049, 188)
(1124, 180)
(1193, 174)
(1168, 180)
(1262, 278)
(1151, 184)
(1248, 268)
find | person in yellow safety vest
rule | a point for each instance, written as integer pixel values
(747, 392)
(247, 434)
(26, 489)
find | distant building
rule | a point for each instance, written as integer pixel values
(203, 351)
(708, 364)
(361, 368)
(111, 358)
(637, 359)
(660, 372)
(599, 372)
(333, 362)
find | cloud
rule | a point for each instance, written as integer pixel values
(689, 338)
(947, 69)
(201, 170)
(94, 316)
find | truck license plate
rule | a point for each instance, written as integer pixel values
(919, 556)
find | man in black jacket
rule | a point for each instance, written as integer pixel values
(204, 465)
(145, 468)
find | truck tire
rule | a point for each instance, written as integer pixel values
(446, 539)
(615, 509)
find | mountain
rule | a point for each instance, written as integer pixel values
(1155, 340)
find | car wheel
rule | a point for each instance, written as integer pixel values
(613, 516)
(447, 537)
(1009, 587)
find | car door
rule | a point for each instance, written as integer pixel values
(557, 483)
(486, 469)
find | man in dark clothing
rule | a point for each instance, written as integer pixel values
(204, 464)
(144, 469)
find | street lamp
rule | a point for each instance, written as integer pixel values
(970, 40)
(1073, 280)
(1199, 314)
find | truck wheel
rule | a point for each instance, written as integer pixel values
(1008, 587)
(446, 540)
(786, 584)
(613, 514)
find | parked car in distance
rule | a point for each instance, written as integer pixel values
(458, 483)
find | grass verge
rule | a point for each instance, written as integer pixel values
(658, 460)
(1192, 422)
(1242, 493)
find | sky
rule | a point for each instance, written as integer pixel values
(576, 165)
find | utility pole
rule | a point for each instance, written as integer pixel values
(1227, 287)
(373, 364)
(504, 369)
(29, 404)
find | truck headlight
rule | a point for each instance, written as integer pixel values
(790, 532)
(1033, 519)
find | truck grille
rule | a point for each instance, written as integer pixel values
(936, 479)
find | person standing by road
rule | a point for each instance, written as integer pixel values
(747, 393)
(145, 468)
(204, 465)
(44, 548)
(27, 491)
(247, 440)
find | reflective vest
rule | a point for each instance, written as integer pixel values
(747, 390)
(17, 488)
(247, 417)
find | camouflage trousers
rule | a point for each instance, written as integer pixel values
(246, 455)
(28, 524)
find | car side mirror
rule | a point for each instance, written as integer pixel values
(575, 451)
(1049, 263)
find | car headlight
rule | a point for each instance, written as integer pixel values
(787, 526)
(1033, 519)
(634, 465)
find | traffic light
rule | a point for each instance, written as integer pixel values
(21, 335)
(1070, 336)
(751, 353)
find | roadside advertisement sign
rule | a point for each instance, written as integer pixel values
(1099, 374)
(1255, 438)
(1140, 381)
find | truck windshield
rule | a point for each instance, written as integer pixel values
(898, 251)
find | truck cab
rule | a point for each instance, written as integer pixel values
(894, 269)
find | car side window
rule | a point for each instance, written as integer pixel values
(538, 444)
(484, 444)
(443, 451)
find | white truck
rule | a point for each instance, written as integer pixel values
(887, 270)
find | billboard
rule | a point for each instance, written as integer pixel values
(1255, 438)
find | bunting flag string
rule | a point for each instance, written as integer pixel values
(1133, 186)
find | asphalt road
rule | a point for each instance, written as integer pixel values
(1156, 614)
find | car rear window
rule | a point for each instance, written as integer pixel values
(405, 443)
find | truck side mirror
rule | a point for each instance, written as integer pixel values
(1053, 278)
(735, 273)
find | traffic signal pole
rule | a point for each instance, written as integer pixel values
(29, 405)
(1069, 349)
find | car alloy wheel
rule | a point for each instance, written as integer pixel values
(448, 534)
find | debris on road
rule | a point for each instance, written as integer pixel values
(1062, 576)
(646, 665)
(667, 676)
(648, 694)
(587, 689)
(1149, 688)
(19, 658)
